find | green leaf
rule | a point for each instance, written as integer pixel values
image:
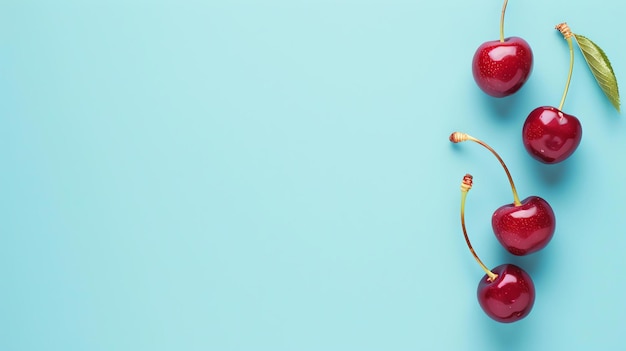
(600, 67)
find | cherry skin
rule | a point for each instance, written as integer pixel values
(500, 68)
(551, 136)
(509, 297)
(526, 228)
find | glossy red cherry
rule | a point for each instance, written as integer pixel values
(501, 68)
(522, 227)
(510, 296)
(525, 228)
(551, 136)
(506, 293)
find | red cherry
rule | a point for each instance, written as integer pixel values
(501, 68)
(550, 135)
(522, 227)
(509, 297)
(525, 228)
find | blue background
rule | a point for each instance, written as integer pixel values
(277, 175)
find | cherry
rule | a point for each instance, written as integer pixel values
(510, 296)
(550, 135)
(501, 67)
(522, 227)
(506, 293)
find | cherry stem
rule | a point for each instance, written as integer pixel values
(458, 137)
(502, 21)
(466, 185)
(567, 34)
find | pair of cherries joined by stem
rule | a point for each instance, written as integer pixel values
(507, 292)
(501, 67)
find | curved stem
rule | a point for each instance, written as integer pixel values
(502, 21)
(569, 75)
(465, 187)
(458, 137)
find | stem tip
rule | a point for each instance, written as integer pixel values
(564, 29)
(466, 185)
(458, 137)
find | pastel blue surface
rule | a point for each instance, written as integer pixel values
(277, 175)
